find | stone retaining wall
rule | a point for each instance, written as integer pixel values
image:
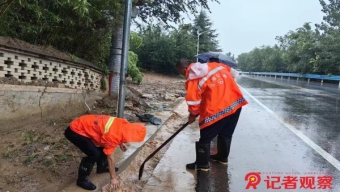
(29, 101)
(28, 66)
(35, 81)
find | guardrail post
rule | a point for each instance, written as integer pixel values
(281, 77)
(321, 81)
(339, 85)
(288, 79)
(308, 81)
(297, 79)
(275, 77)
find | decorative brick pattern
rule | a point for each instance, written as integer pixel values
(28, 68)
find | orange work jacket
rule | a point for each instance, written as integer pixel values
(108, 132)
(232, 71)
(212, 92)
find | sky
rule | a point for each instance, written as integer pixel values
(243, 25)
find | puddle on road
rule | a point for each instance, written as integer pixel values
(251, 82)
(314, 112)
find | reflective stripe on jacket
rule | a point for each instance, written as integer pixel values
(108, 132)
(212, 92)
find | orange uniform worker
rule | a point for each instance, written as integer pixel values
(213, 95)
(97, 136)
(233, 72)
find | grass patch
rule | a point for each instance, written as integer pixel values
(8, 155)
(10, 152)
(51, 122)
(30, 159)
(49, 162)
(29, 136)
(62, 158)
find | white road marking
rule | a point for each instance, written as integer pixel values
(303, 137)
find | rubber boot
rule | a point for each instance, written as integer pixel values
(202, 157)
(102, 165)
(84, 171)
(223, 150)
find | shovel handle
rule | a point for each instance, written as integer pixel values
(159, 148)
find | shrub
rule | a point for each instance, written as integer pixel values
(133, 70)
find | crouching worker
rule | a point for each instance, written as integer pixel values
(97, 136)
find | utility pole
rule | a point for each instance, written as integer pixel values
(124, 60)
(198, 41)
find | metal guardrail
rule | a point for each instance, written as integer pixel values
(306, 76)
(297, 75)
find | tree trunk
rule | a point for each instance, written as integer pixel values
(115, 59)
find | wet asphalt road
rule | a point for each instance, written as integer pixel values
(285, 131)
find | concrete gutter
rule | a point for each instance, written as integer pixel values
(170, 173)
(123, 159)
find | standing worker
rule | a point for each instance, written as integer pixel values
(97, 136)
(213, 95)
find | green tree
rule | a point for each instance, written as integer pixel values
(243, 61)
(303, 50)
(327, 59)
(81, 28)
(170, 11)
(133, 71)
(185, 43)
(164, 11)
(265, 58)
(294, 53)
(208, 38)
(300, 49)
(159, 52)
(164, 46)
(90, 29)
(273, 60)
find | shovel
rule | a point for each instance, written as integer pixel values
(141, 169)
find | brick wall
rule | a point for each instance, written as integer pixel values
(28, 67)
